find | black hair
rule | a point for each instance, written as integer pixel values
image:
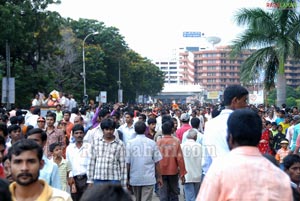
(25, 145)
(107, 192)
(143, 117)
(2, 141)
(77, 127)
(140, 127)
(51, 114)
(66, 112)
(13, 120)
(53, 146)
(245, 126)
(151, 121)
(75, 110)
(195, 122)
(3, 127)
(37, 131)
(130, 114)
(36, 110)
(165, 118)
(107, 124)
(103, 113)
(167, 128)
(290, 160)
(13, 127)
(234, 91)
(4, 190)
(268, 123)
(20, 119)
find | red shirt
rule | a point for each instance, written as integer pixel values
(181, 130)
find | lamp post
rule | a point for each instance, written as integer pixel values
(83, 62)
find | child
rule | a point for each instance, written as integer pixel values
(274, 128)
(282, 153)
(56, 152)
(278, 138)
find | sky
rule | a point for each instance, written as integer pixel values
(153, 28)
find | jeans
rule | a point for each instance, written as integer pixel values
(191, 191)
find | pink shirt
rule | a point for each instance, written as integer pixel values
(244, 174)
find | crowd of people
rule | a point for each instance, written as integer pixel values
(231, 151)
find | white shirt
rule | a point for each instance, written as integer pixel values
(199, 136)
(78, 158)
(128, 132)
(215, 135)
(96, 133)
(192, 154)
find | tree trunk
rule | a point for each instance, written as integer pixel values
(281, 89)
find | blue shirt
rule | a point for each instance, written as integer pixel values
(142, 153)
(50, 173)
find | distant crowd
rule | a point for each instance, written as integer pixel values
(116, 151)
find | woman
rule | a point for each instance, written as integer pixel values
(266, 140)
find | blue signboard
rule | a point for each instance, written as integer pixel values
(193, 34)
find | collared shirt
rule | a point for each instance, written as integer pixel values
(107, 161)
(48, 193)
(181, 130)
(78, 158)
(199, 136)
(245, 174)
(172, 156)
(56, 135)
(95, 134)
(50, 173)
(142, 153)
(63, 169)
(128, 132)
(214, 138)
(295, 135)
(192, 154)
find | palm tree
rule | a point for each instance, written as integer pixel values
(274, 36)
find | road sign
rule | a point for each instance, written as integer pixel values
(8, 92)
(103, 96)
(192, 34)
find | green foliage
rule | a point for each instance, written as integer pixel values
(292, 94)
(46, 54)
(275, 36)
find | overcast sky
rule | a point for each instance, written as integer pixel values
(154, 27)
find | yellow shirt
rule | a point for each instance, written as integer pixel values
(284, 126)
(47, 194)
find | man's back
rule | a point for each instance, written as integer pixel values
(244, 174)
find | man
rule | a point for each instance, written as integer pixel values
(192, 154)
(295, 134)
(128, 128)
(78, 155)
(14, 132)
(41, 123)
(172, 165)
(66, 120)
(142, 158)
(195, 123)
(291, 165)
(49, 172)
(150, 130)
(54, 135)
(107, 162)
(184, 118)
(214, 138)
(26, 162)
(244, 173)
(58, 113)
(97, 132)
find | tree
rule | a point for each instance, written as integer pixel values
(275, 35)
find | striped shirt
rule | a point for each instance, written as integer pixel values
(62, 168)
(107, 161)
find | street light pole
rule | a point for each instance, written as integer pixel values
(83, 62)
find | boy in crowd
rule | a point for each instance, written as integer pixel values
(56, 152)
